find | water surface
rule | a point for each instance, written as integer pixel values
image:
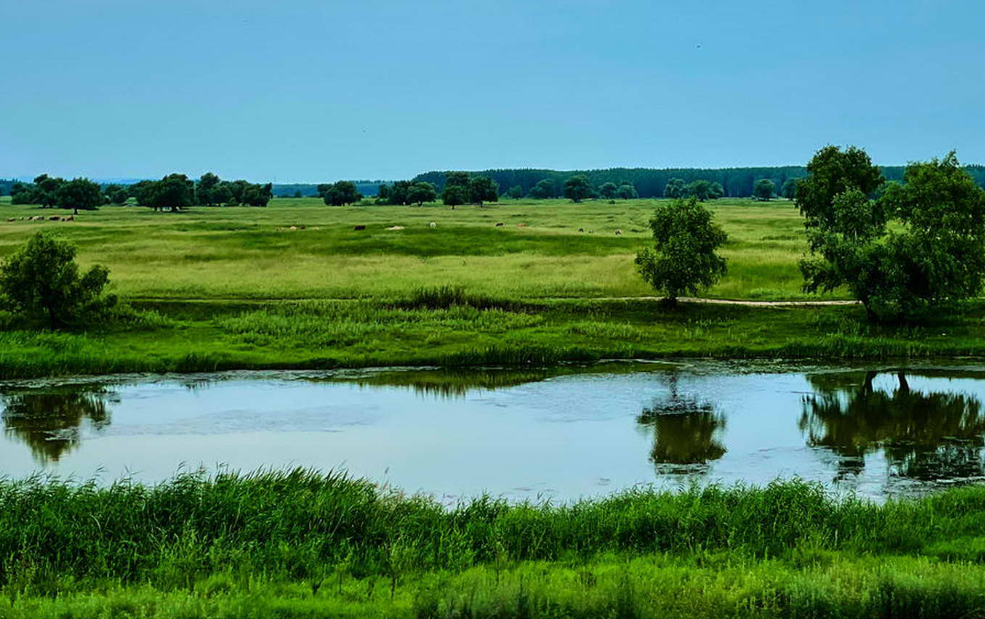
(560, 434)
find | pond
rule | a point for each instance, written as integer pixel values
(562, 433)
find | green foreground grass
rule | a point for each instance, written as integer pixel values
(299, 544)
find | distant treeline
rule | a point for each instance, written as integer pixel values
(310, 190)
(650, 183)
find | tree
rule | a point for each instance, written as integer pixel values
(117, 194)
(578, 187)
(627, 191)
(483, 189)
(383, 193)
(764, 189)
(205, 190)
(716, 191)
(684, 259)
(789, 188)
(399, 192)
(42, 282)
(457, 179)
(422, 192)
(342, 193)
(258, 195)
(515, 192)
(79, 193)
(700, 189)
(174, 191)
(453, 195)
(46, 190)
(608, 190)
(141, 191)
(297, 193)
(920, 246)
(543, 190)
(675, 188)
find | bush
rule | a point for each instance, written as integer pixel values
(42, 282)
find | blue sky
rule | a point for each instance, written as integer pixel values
(305, 91)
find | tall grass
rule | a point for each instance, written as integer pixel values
(301, 525)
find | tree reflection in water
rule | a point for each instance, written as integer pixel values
(924, 436)
(49, 420)
(686, 431)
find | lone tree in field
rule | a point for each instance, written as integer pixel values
(675, 188)
(919, 247)
(684, 259)
(421, 192)
(42, 282)
(174, 191)
(515, 192)
(578, 188)
(627, 191)
(483, 189)
(79, 193)
(342, 193)
(764, 189)
(608, 190)
(543, 190)
(453, 195)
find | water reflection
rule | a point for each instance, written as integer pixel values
(450, 384)
(925, 436)
(49, 420)
(687, 432)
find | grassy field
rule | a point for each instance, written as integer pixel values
(229, 288)
(538, 253)
(299, 544)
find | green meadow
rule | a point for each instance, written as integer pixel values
(538, 252)
(237, 288)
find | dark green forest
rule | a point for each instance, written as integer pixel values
(650, 183)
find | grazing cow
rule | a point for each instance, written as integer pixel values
(69, 218)
(618, 232)
(292, 228)
(433, 225)
(11, 219)
(500, 225)
(54, 218)
(582, 230)
(395, 228)
(521, 225)
(360, 227)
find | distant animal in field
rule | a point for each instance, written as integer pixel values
(432, 225)
(581, 230)
(521, 225)
(591, 231)
(360, 227)
(500, 225)
(395, 228)
(618, 232)
(11, 219)
(292, 228)
(54, 218)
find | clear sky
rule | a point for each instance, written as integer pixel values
(310, 91)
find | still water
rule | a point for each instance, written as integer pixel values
(537, 434)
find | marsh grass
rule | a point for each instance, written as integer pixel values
(329, 541)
